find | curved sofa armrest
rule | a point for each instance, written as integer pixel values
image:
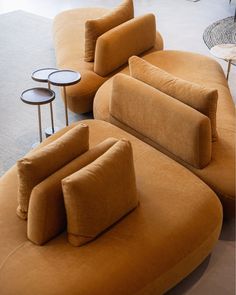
(168, 123)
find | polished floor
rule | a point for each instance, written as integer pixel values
(181, 23)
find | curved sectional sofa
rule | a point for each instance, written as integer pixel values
(219, 174)
(179, 218)
(69, 40)
(69, 44)
(171, 232)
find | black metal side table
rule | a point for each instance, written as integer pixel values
(38, 96)
(64, 78)
(41, 75)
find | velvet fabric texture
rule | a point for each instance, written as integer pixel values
(41, 163)
(199, 97)
(69, 42)
(96, 27)
(136, 36)
(205, 71)
(174, 126)
(47, 217)
(166, 237)
(100, 194)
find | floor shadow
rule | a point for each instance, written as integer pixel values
(84, 116)
(190, 280)
(228, 230)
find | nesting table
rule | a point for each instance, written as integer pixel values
(41, 75)
(226, 52)
(64, 78)
(38, 96)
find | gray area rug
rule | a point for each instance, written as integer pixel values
(220, 32)
(25, 45)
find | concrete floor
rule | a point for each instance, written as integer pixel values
(182, 23)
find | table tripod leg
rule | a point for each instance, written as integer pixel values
(51, 111)
(66, 110)
(40, 124)
(228, 70)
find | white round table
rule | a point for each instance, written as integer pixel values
(226, 52)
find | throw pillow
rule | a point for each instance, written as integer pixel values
(196, 96)
(37, 166)
(100, 194)
(96, 27)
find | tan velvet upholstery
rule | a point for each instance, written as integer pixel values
(69, 42)
(176, 127)
(96, 27)
(46, 217)
(136, 36)
(205, 71)
(199, 97)
(100, 194)
(38, 165)
(172, 231)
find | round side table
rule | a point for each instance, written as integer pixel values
(38, 96)
(64, 78)
(41, 75)
(226, 52)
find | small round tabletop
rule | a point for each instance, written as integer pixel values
(64, 78)
(41, 75)
(224, 51)
(37, 96)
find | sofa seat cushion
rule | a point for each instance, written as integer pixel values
(220, 173)
(148, 252)
(69, 43)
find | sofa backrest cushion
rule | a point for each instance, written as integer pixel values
(166, 122)
(96, 27)
(196, 96)
(114, 48)
(38, 165)
(47, 216)
(100, 194)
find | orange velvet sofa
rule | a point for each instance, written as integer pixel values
(69, 42)
(179, 218)
(112, 58)
(219, 174)
(165, 238)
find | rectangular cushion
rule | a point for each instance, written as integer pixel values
(38, 165)
(47, 217)
(96, 27)
(168, 123)
(196, 96)
(100, 194)
(114, 48)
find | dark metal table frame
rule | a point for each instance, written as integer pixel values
(58, 78)
(41, 75)
(32, 99)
